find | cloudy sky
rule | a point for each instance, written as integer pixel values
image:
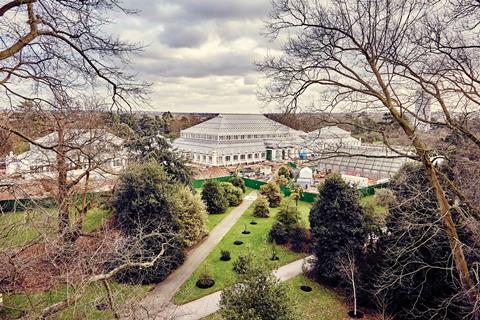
(199, 53)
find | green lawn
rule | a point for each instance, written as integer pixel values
(85, 308)
(256, 242)
(21, 227)
(319, 304)
(370, 200)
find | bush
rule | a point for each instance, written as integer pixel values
(279, 233)
(272, 192)
(299, 239)
(286, 172)
(257, 295)
(150, 210)
(146, 250)
(240, 265)
(238, 182)
(260, 207)
(384, 198)
(225, 255)
(232, 194)
(288, 215)
(192, 217)
(214, 197)
(205, 280)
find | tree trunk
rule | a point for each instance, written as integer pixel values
(62, 197)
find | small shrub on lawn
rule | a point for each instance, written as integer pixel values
(240, 266)
(260, 207)
(205, 280)
(225, 255)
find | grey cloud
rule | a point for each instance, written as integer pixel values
(179, 36)
(229, 63)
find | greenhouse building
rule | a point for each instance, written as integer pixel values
(231, 139)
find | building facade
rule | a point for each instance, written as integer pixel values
(85, 149)
(232, 139)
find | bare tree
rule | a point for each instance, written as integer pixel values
(364, 55)
(49, 47)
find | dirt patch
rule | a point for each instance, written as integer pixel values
(49, 263)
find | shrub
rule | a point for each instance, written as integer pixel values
(147, 202)
(214, 197)
(225, 255)
(384, 198)
(238, 182)
(279, 233)
(260, 207)
(192, 217)
(257, 295)
(240, 265)
(286, 172)
(205, 280)
(146, 250)
(272, 192)
(232, 194)
(288, 215)
(299, 239)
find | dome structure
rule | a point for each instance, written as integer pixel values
(305, 178)
(306, 173)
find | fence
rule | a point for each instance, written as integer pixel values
(306, 196)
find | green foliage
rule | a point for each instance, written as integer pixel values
(242, 263)
(257, 295)
(288, 229)
(232, 193)
(336, 222)
(238, 182)
(272, 192)
(152, 208)
(260, 207)
(225, 255)
(192, 217)
(214, 197)
(147, 141)
(286, 172)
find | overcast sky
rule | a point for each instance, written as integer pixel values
(199, 53)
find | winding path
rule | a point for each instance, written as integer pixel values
(157, 305)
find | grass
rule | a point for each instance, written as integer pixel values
(84, 308)
(321, 303)
(255, 242)
(21, 227)
(370, 200)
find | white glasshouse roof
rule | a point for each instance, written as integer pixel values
(239, 124)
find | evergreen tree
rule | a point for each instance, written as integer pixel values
(238, 182)
(260, 207)
(147, 204)
(272, 192)
(214, 197)
(232, 193)
(336, 222)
